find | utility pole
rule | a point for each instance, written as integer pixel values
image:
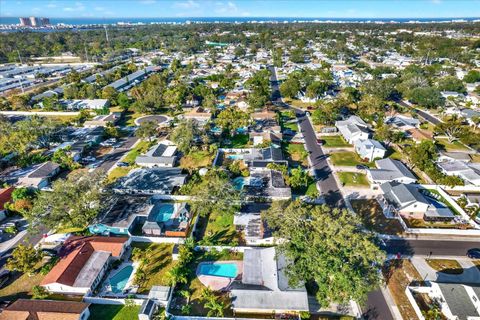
(19, 57)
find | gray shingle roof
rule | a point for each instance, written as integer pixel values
(458, 300)
(389, 169)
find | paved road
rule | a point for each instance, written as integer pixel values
(411, 247)
(376, 307)
(423, 114)
(318, 160)
(113, 157)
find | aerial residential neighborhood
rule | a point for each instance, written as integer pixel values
(202, 162)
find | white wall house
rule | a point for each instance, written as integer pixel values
(353, 129)
(369, 149)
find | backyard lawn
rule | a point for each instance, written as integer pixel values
(373, 218)
(238, 141)
(445, 266)
(451, 146)
(197, 159)
(113, 312)
(353, 179)
(160, 262)
(334, 142)
(220, 230)
(348, 158)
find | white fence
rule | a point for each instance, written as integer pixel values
(110, 301)
(174, 240)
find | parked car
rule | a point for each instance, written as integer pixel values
(122, 164)
(89, 159)
(320, 142)
(361, 167)
(473, 253)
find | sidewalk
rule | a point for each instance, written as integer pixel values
(7, 245)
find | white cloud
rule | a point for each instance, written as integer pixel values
(148, 1)
(36, 10)
(51, 5)
(436, 1)
(78, 7)
(190, 4)
(229, 8)
(99, 9)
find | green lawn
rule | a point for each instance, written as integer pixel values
(353, 179)
(348, 158)
(290, 125)
(140, 148)
(312, 190)
(445, 266)
(238, 141)
(296, 152)
(118, 172)
(160, 255)
(451, 146)
(334, 142)
(220, 230)
(113, 312)
(197, 159)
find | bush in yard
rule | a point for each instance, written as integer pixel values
(39, 292)
(23, 259)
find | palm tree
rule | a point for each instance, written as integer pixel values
(186, 294)
(177, 275)
(215, 307)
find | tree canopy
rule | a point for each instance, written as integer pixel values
(328, 247)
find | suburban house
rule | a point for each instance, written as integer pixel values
(468, 172)
(390, 170)
(95, 104)
(41, 176)
(418, 135)
(260, 158)
(103, 120)
(163, 154)
(5, 197)
(266, 128)
(402, 122)
(24, 309)
(248, 221)
(200, 115)
(264, 286)
(149, 181)
(456, 300)
(412, 202)
(369, 149)
(267, 183)
(83, 262)
(352, 129)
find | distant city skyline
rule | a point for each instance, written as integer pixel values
(240, 8)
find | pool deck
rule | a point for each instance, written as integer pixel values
(219, 283)
(106, 290)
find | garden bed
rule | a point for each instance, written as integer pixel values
(373, 218)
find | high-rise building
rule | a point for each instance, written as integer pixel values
(25, 22)
(45, 21)
(35, 22)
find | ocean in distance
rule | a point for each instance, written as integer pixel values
(90, 21)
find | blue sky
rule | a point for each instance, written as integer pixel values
(242, 8)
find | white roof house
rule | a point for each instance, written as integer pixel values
(264, 286)
(163, 154)
(390, 170)
(469, 172)
(369, 149)
(353, 129)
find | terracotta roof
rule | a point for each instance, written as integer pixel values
(24, 309)
(75, 253)
(5, 196)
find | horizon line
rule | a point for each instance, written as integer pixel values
(243, 17)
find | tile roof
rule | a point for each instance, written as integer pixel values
(43, 309)
(5, 196)
(76, 253)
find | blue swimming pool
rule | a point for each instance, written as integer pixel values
(164, 212)
(235, 156)
(120, 279)
(227, 270)
(239, 182)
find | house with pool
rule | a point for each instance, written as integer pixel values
(145, 216)
(83, 263)
(249, 222)
(258, 284)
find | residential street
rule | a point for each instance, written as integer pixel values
(423, 114)
(112, 158)
(318, 160)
